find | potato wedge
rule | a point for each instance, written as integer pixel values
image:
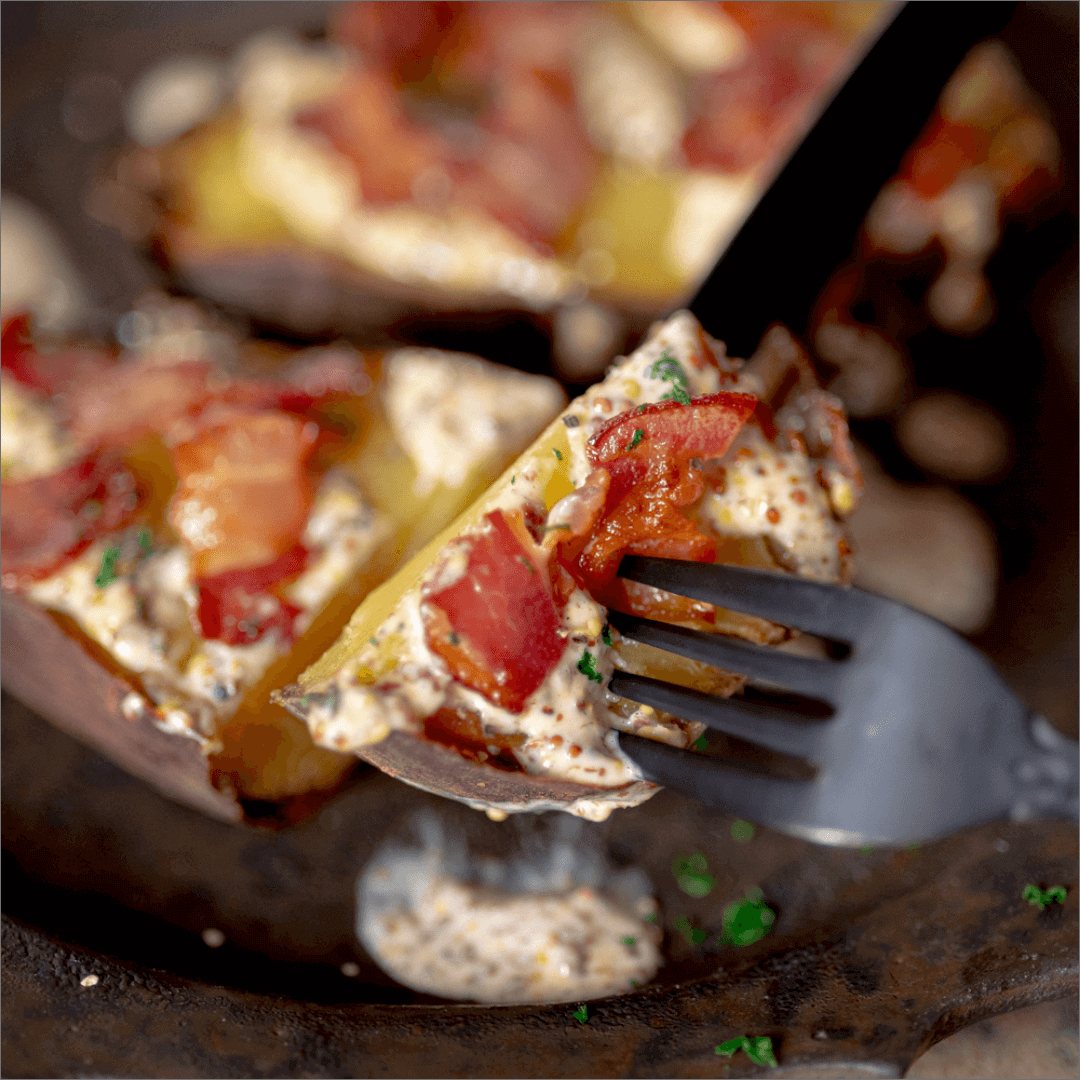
(478, 670)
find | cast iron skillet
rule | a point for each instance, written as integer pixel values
(874, 956)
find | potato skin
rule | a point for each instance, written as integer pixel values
(56, 676)
(432, 767)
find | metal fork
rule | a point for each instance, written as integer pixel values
(924, 736)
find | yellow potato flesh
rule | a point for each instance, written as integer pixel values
(267, 753)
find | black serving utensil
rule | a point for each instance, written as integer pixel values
(805, 224)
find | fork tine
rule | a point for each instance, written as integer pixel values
(825, 610)
(764, 799)
(816, 678)
(748, 720)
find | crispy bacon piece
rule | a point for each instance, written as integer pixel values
(463, 732)
(403, 38)
(497, 626)
(243, 496)
(49, 520)
(239, 606)
(366, 123)
(47, 373)
(127, 401)
(517, 151)
(750, 113)
(648, 453)
(943, 152)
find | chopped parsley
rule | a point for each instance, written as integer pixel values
(639, 434)
(1040, 898)
(670, 370)
(866, 849)
(605, 634)
(587, 666)
(372, 641)
(558, 454)
(107, 574)
(528, 565)
(742, 832)
(693, 935)
(146, 541)
(628, 940)
(581, 1015)
(651, 917)
(513, 478)
(700, 743)
(454, 639)
(690, 874)
(758, 1049)
(746, 921)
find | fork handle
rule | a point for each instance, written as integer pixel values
(1046, 775)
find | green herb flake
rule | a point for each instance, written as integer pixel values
(558, 454)
(746, 921)
(1040, 898)
(605, 634)
(581, 1015)
(913, 847)
(866, 849)
(587, 666)
(693, 935)
(107, 574)
(628, 940)
(742, 832)
(700, 743)
(690, 874)
(758, 1049)
(513, 479)
(146, 541)
(670, 370)
(454, 639)
(639, 434)
(650, 917)
(528, 565)
(677, 393)
(372, 641)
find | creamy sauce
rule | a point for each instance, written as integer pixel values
(558, 928)
(465, 941)
(630, 100)
(343, 532)
(32, 443)
(454, 414)
(776, 494)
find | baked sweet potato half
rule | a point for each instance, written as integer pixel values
(189, 523)
(479, 670)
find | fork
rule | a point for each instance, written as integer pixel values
(921, 735)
